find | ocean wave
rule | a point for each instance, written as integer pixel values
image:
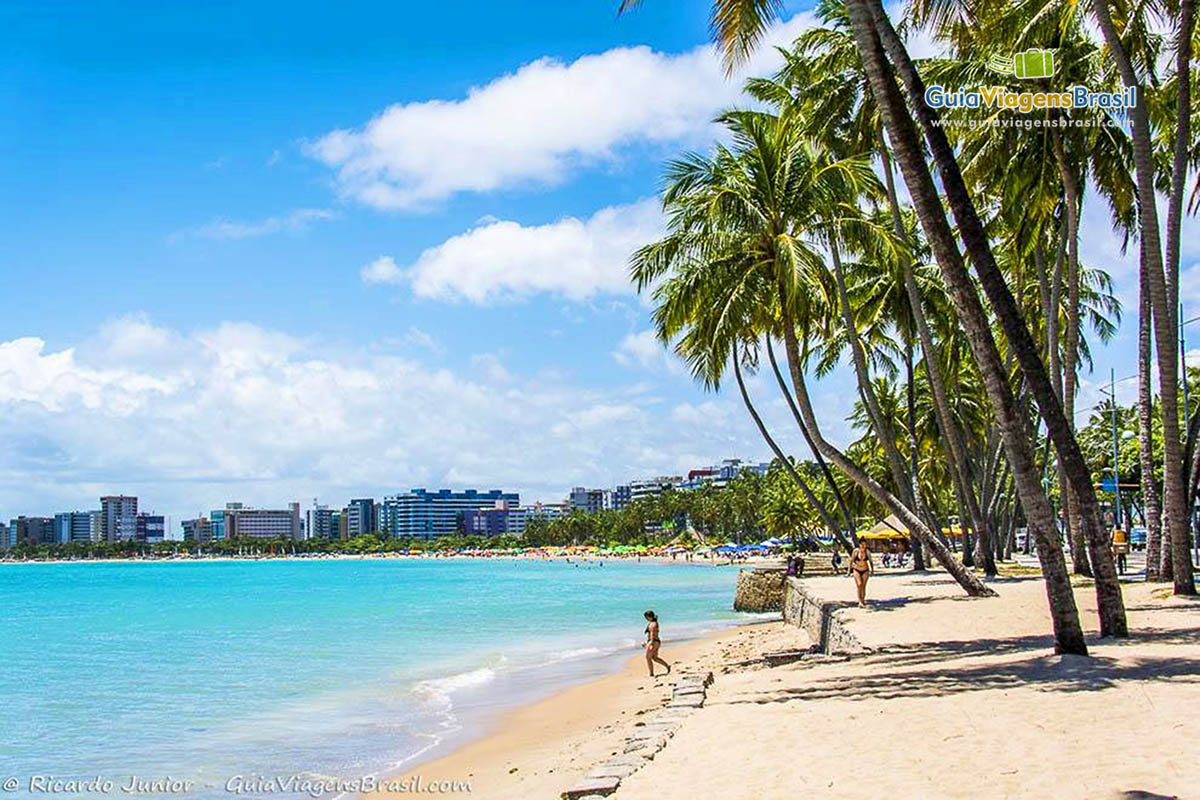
(440, 689)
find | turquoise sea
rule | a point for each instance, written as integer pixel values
(209, 670)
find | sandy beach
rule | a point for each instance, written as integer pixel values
(958, 697)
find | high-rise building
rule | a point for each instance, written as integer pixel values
(360, 517)
(242, 522)
(619, 497)
(150, 528)
(541, 510)
(319, 523)
(220, 521)
(5, 542)
(76, 526)
(652, 487)
(32, 531)
(503, 519)
(197, 530)
(118, 518)
(587, 500)
(428, 514)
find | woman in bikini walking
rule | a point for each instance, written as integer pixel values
(653, 643)
(862, 568)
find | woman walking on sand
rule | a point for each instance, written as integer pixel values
(862, 568)
(653, 643)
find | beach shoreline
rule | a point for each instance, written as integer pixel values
(538, 748)
(972, 673)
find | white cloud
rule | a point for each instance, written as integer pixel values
(291, 222)
(382, 270)
(188, 421)
(641, 349)
(538, 124)
(576, 258)
(491, 367)
(424, 339)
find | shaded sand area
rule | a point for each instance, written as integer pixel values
(959, 697)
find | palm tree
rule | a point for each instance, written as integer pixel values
(824, 84)
(874, 31)
(756, 214)
(906, 143)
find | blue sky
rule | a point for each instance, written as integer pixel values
(267, 251)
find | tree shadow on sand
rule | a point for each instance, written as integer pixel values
(893, 675)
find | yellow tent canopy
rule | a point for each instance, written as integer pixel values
(888, 528)
(892, 528)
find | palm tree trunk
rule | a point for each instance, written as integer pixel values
(881, 425)
(1151, 507)
(903, 136)
(1181, 555)
(1070, 355)
(1161, 288)
(820, 459)
(971, 584)
(1051, 294)
(960, 472)
(1020, 341)
(821, 510)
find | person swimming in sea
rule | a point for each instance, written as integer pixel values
(653, 643)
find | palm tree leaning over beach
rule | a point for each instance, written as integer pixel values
(756, 217)
(737, 26)
(882, 50)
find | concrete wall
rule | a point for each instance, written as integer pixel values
(819, 617)
(759, 589)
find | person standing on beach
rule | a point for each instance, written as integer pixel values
(862, 568)
(653, 643)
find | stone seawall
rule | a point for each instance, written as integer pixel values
(759, 589)
(819, 617)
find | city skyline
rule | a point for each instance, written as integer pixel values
(119, 518)
(298, 300)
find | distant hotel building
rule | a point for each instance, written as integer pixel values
(589, 501)
(428, 514)
(5, 542)
(150, 528)
(197, 530)
(360, 517)
(118, 518)
(77, 526)
(721, 474)
(503, 519)
(322, 522)
(546, 510)
(242, 522)
(652, 487)
(31, 531)
(619, 497)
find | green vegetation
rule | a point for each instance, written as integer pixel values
(962, 304)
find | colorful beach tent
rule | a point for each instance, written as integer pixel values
(892, 528)
(888, 528)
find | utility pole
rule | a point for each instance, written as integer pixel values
(1191, 512)
(1116, 449)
